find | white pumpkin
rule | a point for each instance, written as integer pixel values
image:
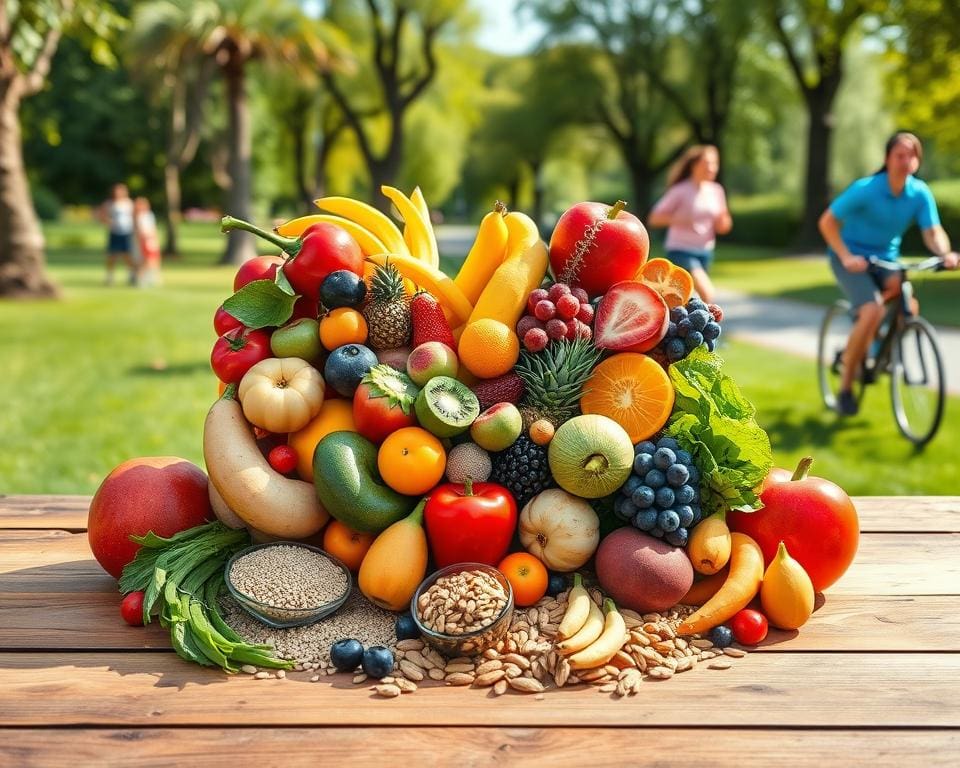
(560, 529)
(281, 394)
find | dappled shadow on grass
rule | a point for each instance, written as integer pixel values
(162, 369)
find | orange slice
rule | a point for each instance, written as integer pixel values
(633, 390)
(672, 282)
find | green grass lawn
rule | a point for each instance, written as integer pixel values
(111, 373)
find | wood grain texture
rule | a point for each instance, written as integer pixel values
(923, 514)
(477, 747)
(835, 690)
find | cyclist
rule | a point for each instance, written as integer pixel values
(868, 219)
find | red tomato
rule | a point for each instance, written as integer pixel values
(236, 352)
(223, 321)
(377, 416)
(324, 248)
(749, 627)
(260, 268)
(813, 517)
(283, 459)
(131, 609)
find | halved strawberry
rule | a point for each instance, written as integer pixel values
(631, 317)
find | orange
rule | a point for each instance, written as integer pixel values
(527, 576)
(347, 544)
(334, 416)
(488, 348)
(633, 390)
(411, 461)
(672, 282)
(342, 326)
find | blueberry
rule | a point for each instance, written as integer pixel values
(697, 515)
(656, 532)
(668, 442)
(655, 479)
(699, 319)
(711, 345)
(685, 513)
(618, 508)
(694, 475)
(646, 446)
(342, 288)
(711, 331)
(677, 314)
(684, 458)
(684, 327)
(346, 655)
(643, 497)
(406, 627)
(664, 497)
(669, 520)
(721, 636)
(675, 349)
(377, 661)
(645, 519)
(556, 584)
(671, 330)
(633, 482)
(678, 538)
(677, 475)
(627, 509)
(664, 458)
(694, 339)
(684, 494)
(694, 304)
(642, 463)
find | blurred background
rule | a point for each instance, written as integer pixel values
(257, 107)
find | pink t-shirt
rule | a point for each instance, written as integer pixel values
(693, 209)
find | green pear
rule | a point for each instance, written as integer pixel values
(301, 338)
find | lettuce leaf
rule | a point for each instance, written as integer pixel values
(715, 423)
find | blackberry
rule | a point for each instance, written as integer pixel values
(522, 469)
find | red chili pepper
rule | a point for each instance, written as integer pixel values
(469, 522)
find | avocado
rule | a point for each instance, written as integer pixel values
(349, 485)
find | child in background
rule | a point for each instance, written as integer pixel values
(147, 242)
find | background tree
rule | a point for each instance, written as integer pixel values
(30, 32)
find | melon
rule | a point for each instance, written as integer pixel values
(590, 456)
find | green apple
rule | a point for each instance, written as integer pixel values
(301, 338)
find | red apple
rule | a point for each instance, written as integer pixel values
(259, 268)
(812, 516)
(597, 245)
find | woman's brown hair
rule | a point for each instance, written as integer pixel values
(904, 137)
(683, 168)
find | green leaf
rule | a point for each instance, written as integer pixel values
(260, 304)
(283, 283)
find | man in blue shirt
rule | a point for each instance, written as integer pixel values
(869, 219)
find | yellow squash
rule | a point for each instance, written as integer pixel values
(396, 563)
(486, 254)
(505, 296)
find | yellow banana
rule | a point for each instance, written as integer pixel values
(417, 198)
(522, 233)
(422, 242)
(368, 217)
(589, 632)
(485, 255)
(442, 287)
(369, 243)
(605, 647)
(578, 608)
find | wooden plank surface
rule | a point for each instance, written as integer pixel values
(476, 747)
(832, 690)
(922, 514)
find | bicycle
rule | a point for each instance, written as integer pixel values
(905, 347)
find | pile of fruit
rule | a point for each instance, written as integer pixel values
(548, 409)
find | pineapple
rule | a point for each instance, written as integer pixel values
(388, 309)
(554, 379)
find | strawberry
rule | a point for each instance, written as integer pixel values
(429, 322)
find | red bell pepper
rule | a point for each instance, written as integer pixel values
(469, 522)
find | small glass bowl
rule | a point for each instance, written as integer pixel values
(282, 617)
(469, 643)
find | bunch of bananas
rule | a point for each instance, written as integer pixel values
(587, 636)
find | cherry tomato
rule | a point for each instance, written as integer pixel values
(283, 459)
(260, 268)
(223, 321)
(237, 351)
(131, 609)
(749, 627)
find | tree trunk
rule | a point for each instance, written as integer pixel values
(22, 264)
(385, 171)
(174, 213)
(538, 193)
(240, 245)
(641, 181)
(817, 188)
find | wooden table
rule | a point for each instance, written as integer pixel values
(872, 679)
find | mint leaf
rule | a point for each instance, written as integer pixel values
(714, 422)
(260, 304)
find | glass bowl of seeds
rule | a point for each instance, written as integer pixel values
(287, 583)
(463, 609)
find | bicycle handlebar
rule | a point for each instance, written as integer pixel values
(931, 264)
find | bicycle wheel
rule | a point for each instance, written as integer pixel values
(834, 331)
(917, 386)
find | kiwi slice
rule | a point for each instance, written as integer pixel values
(446, 407)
